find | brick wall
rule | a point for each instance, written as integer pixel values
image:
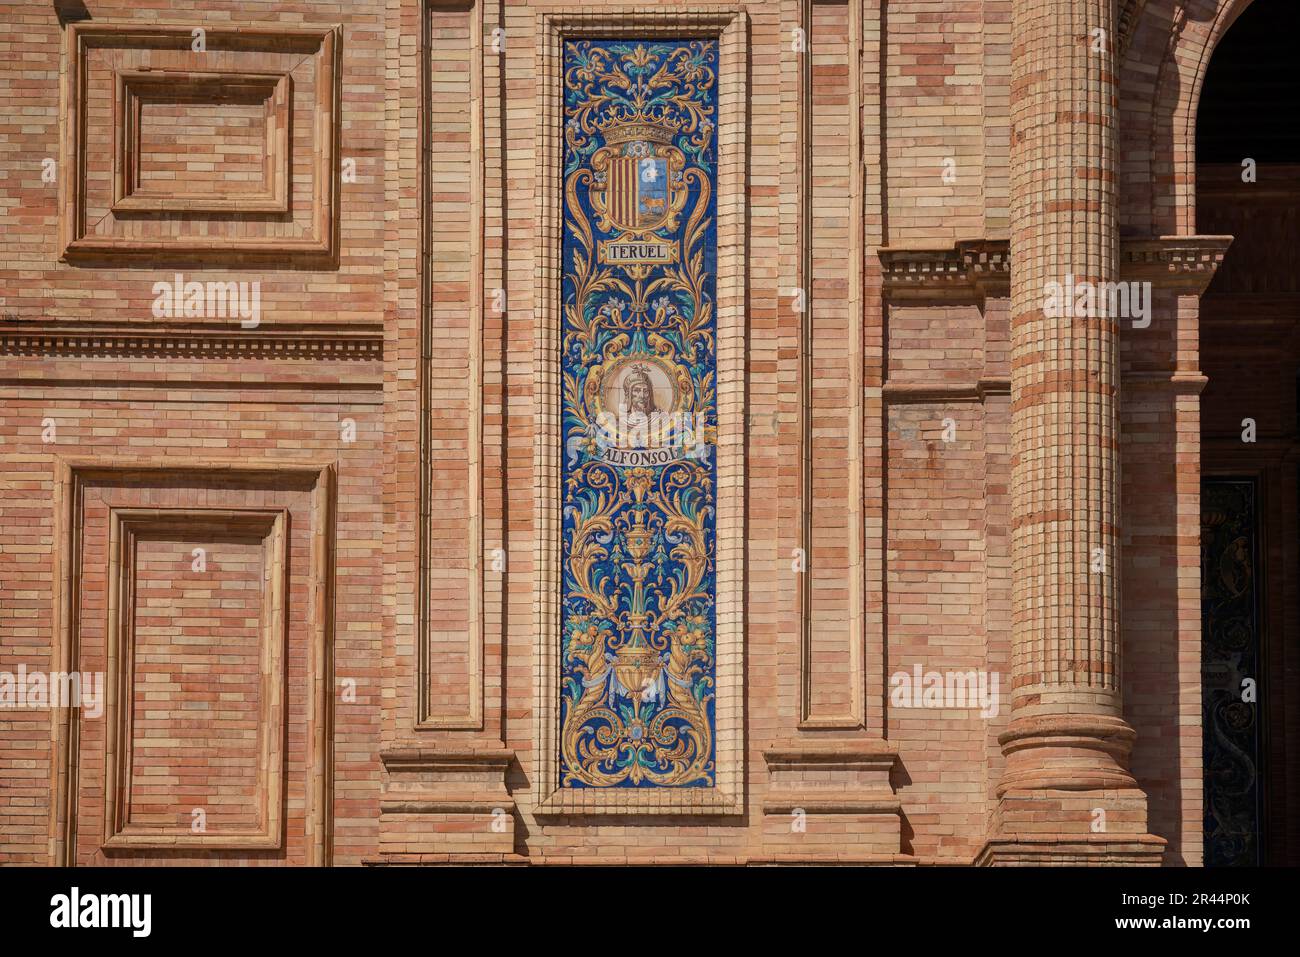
(400, 352)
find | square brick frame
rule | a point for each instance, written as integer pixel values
(322, 246)
(70, 478)
(730, 27)
(131, 88)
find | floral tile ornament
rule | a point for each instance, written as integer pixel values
(639, 414)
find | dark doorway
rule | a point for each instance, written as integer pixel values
(1248, 186)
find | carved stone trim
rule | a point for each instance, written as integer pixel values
(106, 339)
(1185, 264)
(836, 754)
(440, 760)
(1181, 383)
(897, 393)
(982, 268)
(976, 268)
(788, 802)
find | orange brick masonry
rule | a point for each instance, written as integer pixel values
(352, 678)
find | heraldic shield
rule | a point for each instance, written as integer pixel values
(639, 193)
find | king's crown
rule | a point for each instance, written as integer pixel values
(632, 132)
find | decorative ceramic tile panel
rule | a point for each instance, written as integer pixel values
(639, 414)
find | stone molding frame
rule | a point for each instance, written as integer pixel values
(132, 90)
(356, 342)
(429, 717)
(318, 482)
(125, 527)
(729, 25)
(319, 247)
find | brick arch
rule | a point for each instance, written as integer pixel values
(1166, 48)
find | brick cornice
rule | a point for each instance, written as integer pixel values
(982, 268)
(358, 342)
(1182, 263)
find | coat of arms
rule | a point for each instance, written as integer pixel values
(638, 193)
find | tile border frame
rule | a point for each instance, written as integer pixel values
(729, 25)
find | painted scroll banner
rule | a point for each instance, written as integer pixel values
(639, 414)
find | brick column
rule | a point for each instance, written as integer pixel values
(1066, 731)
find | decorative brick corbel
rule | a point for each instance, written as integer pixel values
(972, 270)
(1184, 264)
(1130, 12)
(981, 268)
(818, 788)
(446, 804)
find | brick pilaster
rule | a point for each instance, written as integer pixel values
(1067, 731)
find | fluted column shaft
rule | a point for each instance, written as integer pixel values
(1066, 729)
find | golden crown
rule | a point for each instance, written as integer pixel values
(633, 132)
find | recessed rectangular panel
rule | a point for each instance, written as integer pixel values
(202, 142)
(201, 596)
(195, 681)
(831, 687)
(225, 152)
(451, 672)
(196, 646)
